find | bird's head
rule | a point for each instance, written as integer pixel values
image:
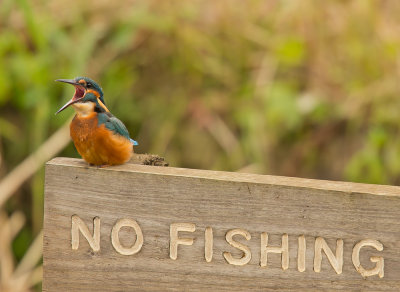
(85, 91)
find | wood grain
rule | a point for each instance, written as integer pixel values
(226, 205)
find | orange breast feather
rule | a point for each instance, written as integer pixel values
(98, 145)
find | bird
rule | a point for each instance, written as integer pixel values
(99, 137)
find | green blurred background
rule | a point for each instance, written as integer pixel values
(296, 88)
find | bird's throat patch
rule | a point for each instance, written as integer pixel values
(84, 109)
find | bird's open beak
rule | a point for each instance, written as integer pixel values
(79, 93)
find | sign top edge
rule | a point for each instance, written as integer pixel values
(339, 186)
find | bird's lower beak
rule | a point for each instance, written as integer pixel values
(72, 101)
(79, 93)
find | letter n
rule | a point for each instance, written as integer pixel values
(79, 225)
(336, 261)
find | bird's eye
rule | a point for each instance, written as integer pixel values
(89, 85)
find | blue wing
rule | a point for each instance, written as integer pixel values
(115, 125)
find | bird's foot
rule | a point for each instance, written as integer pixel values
(103, 166)
(99, 166)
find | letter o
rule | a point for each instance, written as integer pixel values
(115, 237)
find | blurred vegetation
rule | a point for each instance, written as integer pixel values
(297, 88)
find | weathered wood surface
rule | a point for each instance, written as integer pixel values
(156, 197)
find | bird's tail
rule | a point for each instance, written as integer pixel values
(134, 143)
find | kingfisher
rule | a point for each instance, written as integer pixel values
(99, 137)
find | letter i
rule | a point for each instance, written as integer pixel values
(208, 244)
(301, 254)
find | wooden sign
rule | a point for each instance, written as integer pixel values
(135, 227)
